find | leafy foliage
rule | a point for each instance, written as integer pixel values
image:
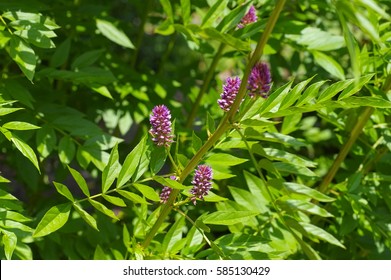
(301, 174)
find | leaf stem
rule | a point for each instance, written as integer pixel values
(205, 85)
(224, 123)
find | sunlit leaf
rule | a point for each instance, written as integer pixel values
(54, 219)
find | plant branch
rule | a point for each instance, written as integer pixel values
(205, 85)
(223, 126)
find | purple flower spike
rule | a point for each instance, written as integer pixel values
(165, 194)
(259, 80)
(201, 182)
(230, 90)
(161, 126)
(248, 18)
(166, 191)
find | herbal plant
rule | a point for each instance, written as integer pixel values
(195, 129)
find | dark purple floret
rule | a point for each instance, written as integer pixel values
(248, 18)
(260, 80)
(201, 182)
(166, 191)
(230, 90)
(165, 194)
(160, 120)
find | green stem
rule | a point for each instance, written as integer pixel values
(223, 126)
(167, 53)
(362, 120)
(354, 134)
(205, 85)
(172, 161)
(140, 35)
(280, 216)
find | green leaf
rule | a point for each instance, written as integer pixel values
(228, 39)
(167, 9)
(53, 220)
(293, 169)
(131, 162)
(169, 183)
(100, 207)
(173, 236)
(61, 54)
(6, 111)
(233, 18)
(114, 34)
(26, 151)
(99, 254)
(212, 197)
(214, 12)
(158, 159)
(310, 93)
(87, 59)
(80, 181)
(132, 197)
(305, 206)
(332, 90)
(86, 217)
(111, 171)
(16, 125)
(23, 55)
(316, 232)
(281, 155)
(225, 159)
(46, 140)
(114, 200)
(66, 150)
(147, 191)
(353, 102)
(186, 11)
(36, 37)
(294, 94)
(15, 216)
(9, 241)
(228, 217)
(329, 64)
(316, 39)
(102, 90)
(196, 142)
(302, 189)
(355, 87)
(273, 102)
(63, 190)
(210, 124)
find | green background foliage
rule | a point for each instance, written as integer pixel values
(303, 174)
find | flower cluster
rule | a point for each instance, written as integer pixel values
(160, 120)
(259, 83)
(201, 182)
(230, 90)
(260, 80)
(166, 191)
(248, 18)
